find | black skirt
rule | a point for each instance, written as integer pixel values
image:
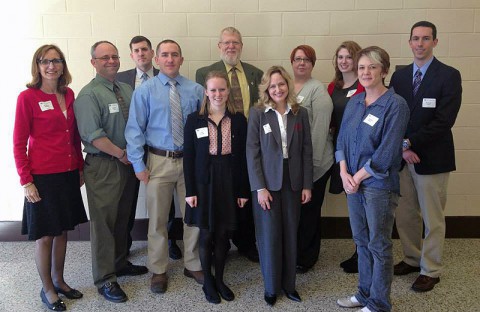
(60, 208)
(216, 201)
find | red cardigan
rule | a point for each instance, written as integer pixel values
(54, 144)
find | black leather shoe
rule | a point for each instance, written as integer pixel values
(112, 292)
(174, 251)
(225, 292)
(211, 296)
(302, 269)
(71, 294)
(403, 268)
(58, 305)
(351, 264)
(293, 296)
(132, 270)
(270, 299)
(251, 254)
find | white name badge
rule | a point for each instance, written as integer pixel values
(113, 108)
(201, 132)
(370, 120)
(300, 98)
(429, 103)
(351, 92)
(267, 129)
(45, 105)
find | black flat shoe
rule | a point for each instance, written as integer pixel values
(112, 292)
(58, 305)
(71, 294)
(270, 299)
(211, 297)
(293, 296)
(174, 251)
(351, 264)
(225, 292)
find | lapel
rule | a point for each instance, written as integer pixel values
(425, 84)
(291, 120)
(272, 120)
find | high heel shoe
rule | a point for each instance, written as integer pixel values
(71, 294)
(58, 305)
(270, 299)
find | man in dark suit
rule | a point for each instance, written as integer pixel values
(433, 92)
(142, 54)
(244, 80)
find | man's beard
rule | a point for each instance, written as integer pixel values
(231, 60)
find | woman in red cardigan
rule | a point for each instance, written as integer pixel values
(344, 85)
(49, 161)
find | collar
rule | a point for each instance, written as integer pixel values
(238, 66)
(140, 73)
(269, 107)
(424, 68)
(107, 83)
(164, 79)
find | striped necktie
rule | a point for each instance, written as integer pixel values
(144, 77)
(417, 81)
(176, 114)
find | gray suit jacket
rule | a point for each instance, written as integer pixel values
(264, 150)
(128, 76)
(253, 74)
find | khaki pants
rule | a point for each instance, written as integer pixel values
(422, 202)
(166, 178)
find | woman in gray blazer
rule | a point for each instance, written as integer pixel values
(279, 161)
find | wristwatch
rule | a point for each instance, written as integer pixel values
(405, 144)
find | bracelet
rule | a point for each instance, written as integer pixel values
(27, 185)
(123, 155)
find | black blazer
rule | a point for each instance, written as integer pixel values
(252, 73)
(430, 128)
(128, 76)
(196, 158)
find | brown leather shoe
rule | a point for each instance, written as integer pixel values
(159, 283)
(425, 283)
(196, 275)
(403, 268)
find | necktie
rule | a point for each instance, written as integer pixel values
(144, 77)
(236, 91)
(417, 81)
(176, 114)
(121, 101)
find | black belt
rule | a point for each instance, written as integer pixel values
(103, 155)
(169, 154)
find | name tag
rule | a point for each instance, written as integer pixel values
(300, 99)
(267, 129)
(113, 108)
(351, 92)
(201, 132)
(370, 120)
(45, 105)
(429, 103)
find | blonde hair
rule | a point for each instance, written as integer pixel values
(205, 107)
(265, 98)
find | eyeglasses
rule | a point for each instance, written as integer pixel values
(46, 62)
(227, 43)
(106, 58)
(299, 60)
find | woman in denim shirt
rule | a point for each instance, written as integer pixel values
(369, 150)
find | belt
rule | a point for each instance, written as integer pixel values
(169, 154)
(103, 155)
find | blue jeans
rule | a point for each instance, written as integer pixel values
(371, 219)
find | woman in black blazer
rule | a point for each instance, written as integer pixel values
(216, 178)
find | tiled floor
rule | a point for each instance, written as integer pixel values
(459, 289)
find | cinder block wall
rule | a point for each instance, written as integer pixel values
(271, 29)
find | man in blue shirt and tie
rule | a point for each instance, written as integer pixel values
(158, 112)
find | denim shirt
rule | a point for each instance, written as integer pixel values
(371, 138)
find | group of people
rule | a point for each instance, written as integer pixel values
(243, 155)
